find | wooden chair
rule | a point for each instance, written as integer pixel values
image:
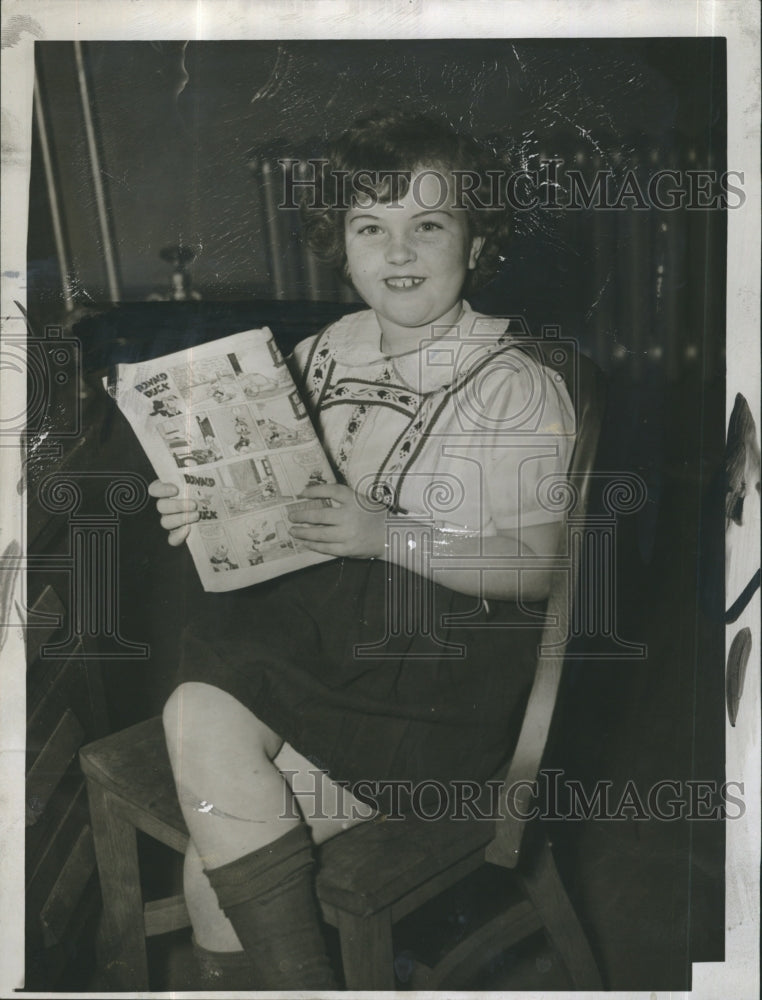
(376, 873)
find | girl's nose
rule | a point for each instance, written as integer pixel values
(399, 250)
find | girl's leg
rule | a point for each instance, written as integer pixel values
(253, 847)
(220, 962)
(232, 797)
(327, 808)
(211, 928)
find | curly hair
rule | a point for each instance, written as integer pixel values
(398, 144)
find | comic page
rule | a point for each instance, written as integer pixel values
(225, 424)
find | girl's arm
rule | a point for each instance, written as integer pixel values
(353, 529)
(356, 530)
(486, 566)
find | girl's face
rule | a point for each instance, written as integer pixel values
(408, 259)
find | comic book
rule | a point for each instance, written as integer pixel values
(225, 422)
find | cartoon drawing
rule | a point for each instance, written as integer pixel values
(278, 435)
(219, 393)
(190, 446)
(260, 369)
(165, 407)
(243, 431)
(260, 537)
(307, 467)
(212, 448)
(204, 501)
(264, 540)
(206, 380)
(251, 483)
(235, 431)
(316, 478)
(254, 554)
(282, 424)
(220, 560)
(255, 385)
(203, 489)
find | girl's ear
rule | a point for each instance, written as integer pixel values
(477, 243)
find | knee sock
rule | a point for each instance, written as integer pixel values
(230, 971)
(269, 898)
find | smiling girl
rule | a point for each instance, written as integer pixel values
(441, 431)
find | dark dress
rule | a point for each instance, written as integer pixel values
(368, 699)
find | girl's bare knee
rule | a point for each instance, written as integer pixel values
(206, 717)
(183, 707)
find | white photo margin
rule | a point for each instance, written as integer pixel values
(24, 21)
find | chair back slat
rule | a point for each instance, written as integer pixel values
(586, 387)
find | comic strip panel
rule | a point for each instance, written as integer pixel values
(252, 484)
(222, 559)
(168, 404)
(207, 381)
(283, 421)
(306, 467)
(205, 489)
(262, 539)
(191, 441)
(252, 362)
(236, 430)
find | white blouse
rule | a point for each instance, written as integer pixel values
(468, 430)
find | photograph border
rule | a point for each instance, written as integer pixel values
(26, 21)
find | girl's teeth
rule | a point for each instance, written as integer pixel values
(403, 282)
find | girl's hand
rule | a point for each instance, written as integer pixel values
(349, 527)
(177, 515)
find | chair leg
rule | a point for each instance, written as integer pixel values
(366, 951)
(122, 946)
(543, 885)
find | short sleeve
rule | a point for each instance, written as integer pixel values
(530, 447)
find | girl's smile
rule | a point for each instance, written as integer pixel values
(401, 284)
(408, 259)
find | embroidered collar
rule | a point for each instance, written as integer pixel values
(354, 342)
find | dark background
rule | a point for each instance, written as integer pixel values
(180, 135)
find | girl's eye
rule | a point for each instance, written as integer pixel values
(429, 227)
(370, 230)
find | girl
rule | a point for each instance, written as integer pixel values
(377, 666)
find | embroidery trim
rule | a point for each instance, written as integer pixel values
(424, 409)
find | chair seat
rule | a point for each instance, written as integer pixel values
(375, 864)
(134, 766)
(362, 871)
